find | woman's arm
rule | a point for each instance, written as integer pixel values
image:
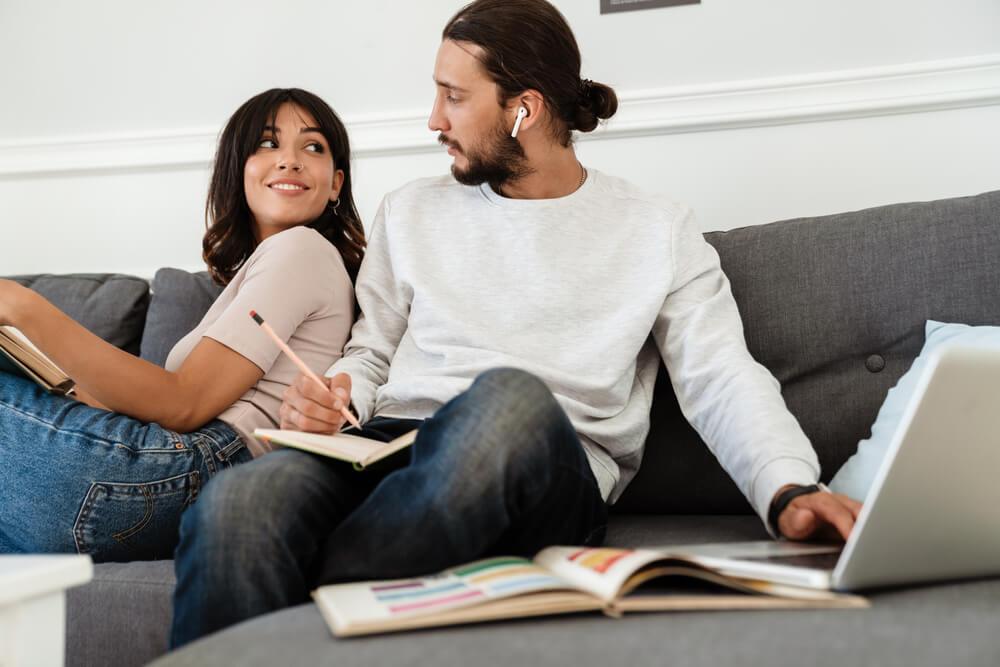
(211, 379)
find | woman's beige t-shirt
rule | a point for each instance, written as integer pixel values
(297, 282)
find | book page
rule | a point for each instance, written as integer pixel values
(381, 604)
(600, 571)
(355, 449)
(33, 361)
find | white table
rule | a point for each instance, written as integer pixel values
(33, 607)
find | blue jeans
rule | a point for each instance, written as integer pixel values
(81, 480)
(498, 470)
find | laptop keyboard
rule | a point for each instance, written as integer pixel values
(824, 561)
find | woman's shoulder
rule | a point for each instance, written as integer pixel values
(298, 247)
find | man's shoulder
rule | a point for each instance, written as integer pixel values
(431, 186)
(654, 204)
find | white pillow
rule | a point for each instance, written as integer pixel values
(855, 477)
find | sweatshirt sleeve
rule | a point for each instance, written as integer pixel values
(385, 308)
(733, 402)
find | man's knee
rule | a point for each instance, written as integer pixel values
(244, 499)
(512, 381)
(514, 417)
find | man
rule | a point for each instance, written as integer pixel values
(513, 311)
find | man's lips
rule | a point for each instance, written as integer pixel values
(453, 148)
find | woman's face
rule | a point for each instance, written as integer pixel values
(291, 177)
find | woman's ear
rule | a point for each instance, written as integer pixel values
(338, 183)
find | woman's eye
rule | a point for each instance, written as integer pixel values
(315, 147)
(267, 143)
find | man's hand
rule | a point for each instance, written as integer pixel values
(818, 515)
(306, 407)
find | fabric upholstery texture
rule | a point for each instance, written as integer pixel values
(952, 624)
(835, 308)
(112, 306)
(179, 301)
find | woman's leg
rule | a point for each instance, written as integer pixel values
(77, 479)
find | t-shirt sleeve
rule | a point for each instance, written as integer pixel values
(289, 278)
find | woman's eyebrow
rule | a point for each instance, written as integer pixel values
(302, 130)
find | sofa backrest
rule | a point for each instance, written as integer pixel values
(113, 306)
(835, 308)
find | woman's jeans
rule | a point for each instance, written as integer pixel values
(497, 470)
(82, 480)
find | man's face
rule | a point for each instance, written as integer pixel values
(471, 123)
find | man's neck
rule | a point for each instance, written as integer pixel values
(556, 173)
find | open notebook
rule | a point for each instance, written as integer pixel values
(558, 580)
(20, 356)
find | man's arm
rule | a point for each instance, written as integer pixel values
(731, 400)
(353, 380)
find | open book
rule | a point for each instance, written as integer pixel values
(355, 449)
(20, 356)
(558, 580)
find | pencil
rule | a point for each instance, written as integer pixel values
(301, 364)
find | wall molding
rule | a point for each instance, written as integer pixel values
(859, 93)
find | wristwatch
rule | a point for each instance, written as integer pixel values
(782, 500)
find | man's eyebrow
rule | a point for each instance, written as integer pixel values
(450, 86)
(302, 130)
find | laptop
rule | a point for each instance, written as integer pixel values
(933, 510)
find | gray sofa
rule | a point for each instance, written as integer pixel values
(833, 306)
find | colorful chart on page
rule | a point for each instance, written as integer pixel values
(486, 579)
(598, 560)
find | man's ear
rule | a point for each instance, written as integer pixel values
(534, 106)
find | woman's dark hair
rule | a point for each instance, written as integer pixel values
(527, 44)
(229, 239)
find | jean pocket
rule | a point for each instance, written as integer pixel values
(140, 521)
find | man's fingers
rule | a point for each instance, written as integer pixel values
(309, 389)
(298, 421)
(797, 524)
(851, 504)
(308, 407)
(831, 509)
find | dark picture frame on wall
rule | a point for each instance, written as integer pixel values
(612, 6)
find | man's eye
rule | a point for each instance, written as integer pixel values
(267, 143)
(315, 147)
(452, 99)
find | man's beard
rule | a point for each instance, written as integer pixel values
(498, 159)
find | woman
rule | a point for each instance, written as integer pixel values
(109, 472)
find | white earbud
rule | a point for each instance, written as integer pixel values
(521, 113)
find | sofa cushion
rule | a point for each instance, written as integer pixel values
(835, 307)
(113, 306)
(122, 616)
(180, 299)
(951, 624)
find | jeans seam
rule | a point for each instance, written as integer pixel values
(90, 499)
(123, 535)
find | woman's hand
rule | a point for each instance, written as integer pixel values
(14, 299)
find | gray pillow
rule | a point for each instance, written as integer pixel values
(112, 306)
(180, 300)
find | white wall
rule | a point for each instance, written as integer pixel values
(749, 111)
